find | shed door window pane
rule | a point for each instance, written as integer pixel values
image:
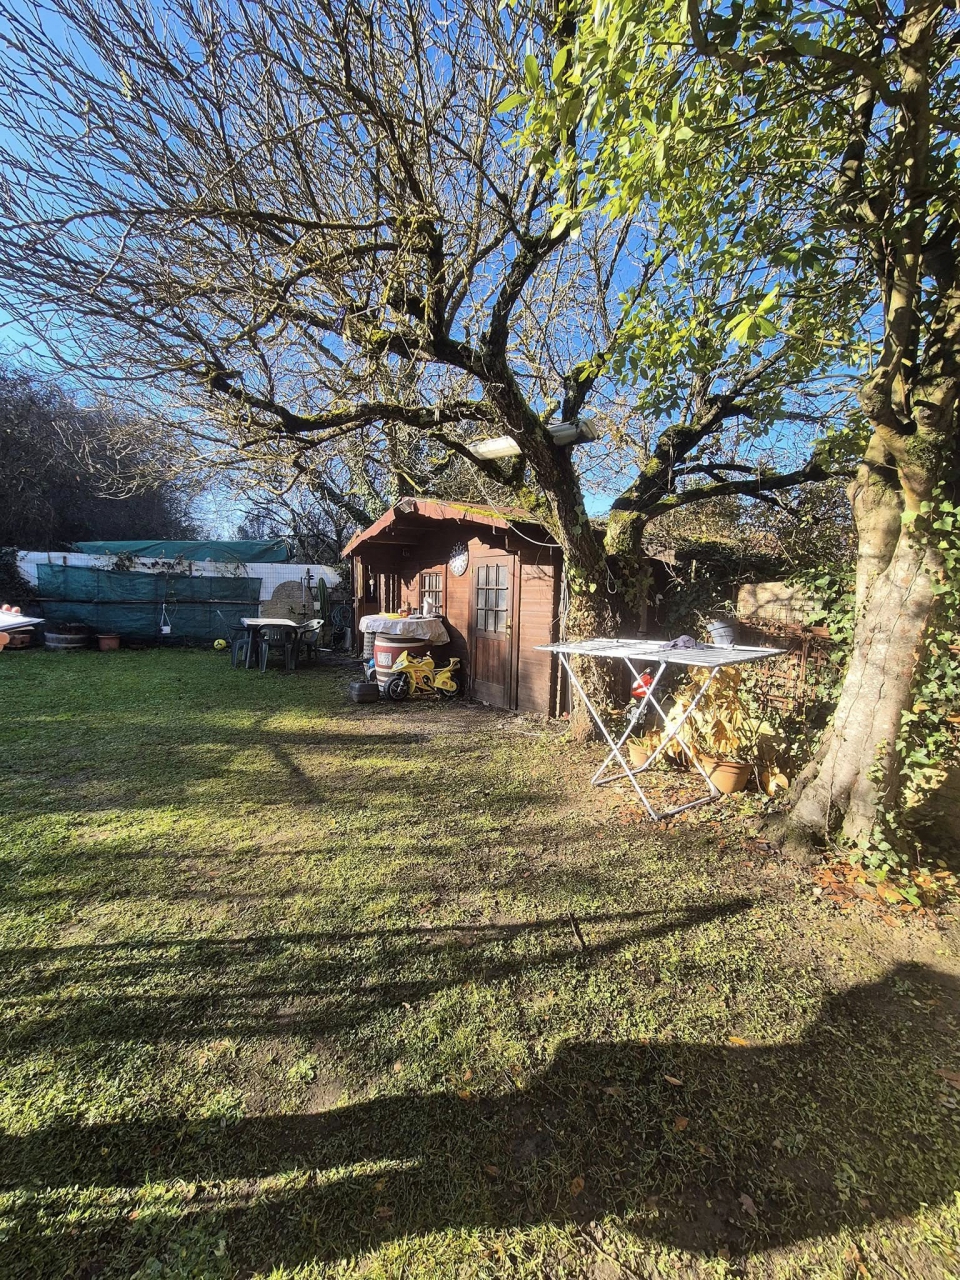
(431, 592)
(492, 597)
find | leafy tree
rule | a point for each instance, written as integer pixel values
(310, 225)
(841, 121)
(69, 472)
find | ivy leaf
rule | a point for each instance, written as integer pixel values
(513, 100)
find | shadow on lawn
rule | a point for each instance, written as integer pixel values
(310, 982)
(168, 767)
(701, 1146)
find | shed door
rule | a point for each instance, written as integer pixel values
(492, 625)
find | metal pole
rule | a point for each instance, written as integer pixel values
(603, 729)
(598, 780)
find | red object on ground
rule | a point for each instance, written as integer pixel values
(642, 686)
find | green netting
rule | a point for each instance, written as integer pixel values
(239, 551)
(137, 605)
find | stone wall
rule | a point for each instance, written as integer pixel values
(759, 602)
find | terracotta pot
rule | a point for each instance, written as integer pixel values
(638, 753)
(107, 642)
(727, 776)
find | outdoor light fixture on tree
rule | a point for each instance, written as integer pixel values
(563, 434)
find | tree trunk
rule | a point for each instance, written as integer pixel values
(855, 773)
(590, 613)
(592, 607)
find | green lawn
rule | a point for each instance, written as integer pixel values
(293, 987)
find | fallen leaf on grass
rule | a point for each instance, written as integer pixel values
(465, 1094)
(379, 1184)
(739, 1042)
(951, 1077)
(492, 1169)
(468, 1074)
(576, 1186)
(681, 1123)
(398, 1066)
(384, 1211)
(748, 1205)
(614, 1091)
(672, 1080)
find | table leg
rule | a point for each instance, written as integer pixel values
(673, 736)
(598, 779)
(251, 645)
(614, 746)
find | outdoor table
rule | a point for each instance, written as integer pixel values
(270, 622)
(644, 653)
(14, 621)
(254, 624)
(411, 628)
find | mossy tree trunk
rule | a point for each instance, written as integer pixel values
(910, 401)
(855, 774)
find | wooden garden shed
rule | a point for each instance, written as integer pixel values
(494, 576)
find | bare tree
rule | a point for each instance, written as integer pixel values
(70, 471)
(312, 226)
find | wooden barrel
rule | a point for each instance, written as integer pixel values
(387, 649)
(66, 641)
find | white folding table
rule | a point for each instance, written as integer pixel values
(16, 621)
(644, 653)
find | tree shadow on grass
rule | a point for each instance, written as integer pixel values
(167, 768)
(312, 982)
(699, 1146)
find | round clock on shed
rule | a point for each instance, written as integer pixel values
(459, 558)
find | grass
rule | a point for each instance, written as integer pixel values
(293, 987)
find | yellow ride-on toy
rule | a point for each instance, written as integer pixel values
(419, 675)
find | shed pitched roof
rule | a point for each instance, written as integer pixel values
(432, 509)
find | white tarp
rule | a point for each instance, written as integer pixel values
(270, 575)
(431, 629)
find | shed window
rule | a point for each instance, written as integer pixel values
(492, 597)
(431, 593)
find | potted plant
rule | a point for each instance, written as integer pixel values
(722, 731)
(66, 636)
(641, 749)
